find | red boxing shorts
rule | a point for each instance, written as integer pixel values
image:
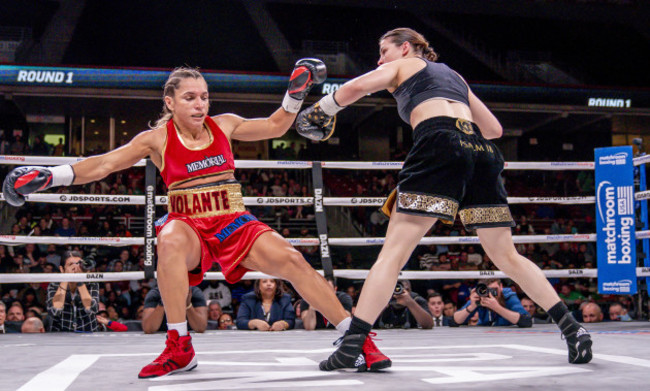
(224, 227)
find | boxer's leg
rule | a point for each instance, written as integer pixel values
(498, 244)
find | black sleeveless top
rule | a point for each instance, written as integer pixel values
(435, 80)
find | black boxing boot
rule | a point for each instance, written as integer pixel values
(577, 338)
(348, 355)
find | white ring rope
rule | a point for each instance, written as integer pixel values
(15, 240)
(113, 199)
(548, 166)
(639, 160)
(354, 274)
(56, 160)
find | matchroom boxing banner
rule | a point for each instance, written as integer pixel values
(615, 227)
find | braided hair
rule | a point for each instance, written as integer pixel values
(420, 45)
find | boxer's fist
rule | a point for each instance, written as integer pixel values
(307, 72)
(29, 179)
(314, 124)
(25, 180)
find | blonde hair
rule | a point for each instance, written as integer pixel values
(420, 45)
(171, 85)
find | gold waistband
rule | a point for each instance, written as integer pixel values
(207, 201)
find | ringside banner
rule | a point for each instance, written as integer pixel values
(615, 224)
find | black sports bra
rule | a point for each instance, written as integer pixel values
(435, 80)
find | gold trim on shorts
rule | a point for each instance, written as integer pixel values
(210, 201)
(485, 215)
(387, 207)
(427, 204)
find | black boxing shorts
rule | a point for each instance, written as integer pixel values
(452, 169)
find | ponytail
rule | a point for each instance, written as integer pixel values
(429, 54)
(420, 45)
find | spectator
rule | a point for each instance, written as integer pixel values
(154, 319)
(66, 229)
(618, 313)
(571, 298)
(266, 308)
(39, 148)
(537, 315)
(59, 148)
(523, 227)
(449, 309)
(6, 260)
(32, 325)
(124, 259)
(591, 313)
(72, 306)
(473, 321)
(3, 316)
(501, 307)
(52, 257)
(216, 290)
(428, 260)
(18, 147)
(312, 319)
(473, 258)
(15, 318)
(436, 307)
(406, 309)
(214, 310)
(226, 323)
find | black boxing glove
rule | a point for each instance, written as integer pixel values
(307, 72)
(317, 122)
(29, 179)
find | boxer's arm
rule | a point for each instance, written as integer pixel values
(318, 121)
(97, 167)
(385, 76)
(254, 129)
(306, 73)
(483, 117)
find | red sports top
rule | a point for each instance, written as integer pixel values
(181, 164)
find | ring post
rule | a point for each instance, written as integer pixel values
(149, 217)
(321, 219)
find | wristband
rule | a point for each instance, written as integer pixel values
(290, 104)
(468, 310)
(329, 106)
(189, 306)
(62, 175)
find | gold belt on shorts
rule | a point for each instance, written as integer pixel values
(209, 201)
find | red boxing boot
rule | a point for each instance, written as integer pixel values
(375, 359)
(178, 356)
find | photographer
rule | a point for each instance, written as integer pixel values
(406, 309)
(496, 306)
(72, 306)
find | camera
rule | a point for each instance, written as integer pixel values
(399, 289)
(89, 262)
(482, 290)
